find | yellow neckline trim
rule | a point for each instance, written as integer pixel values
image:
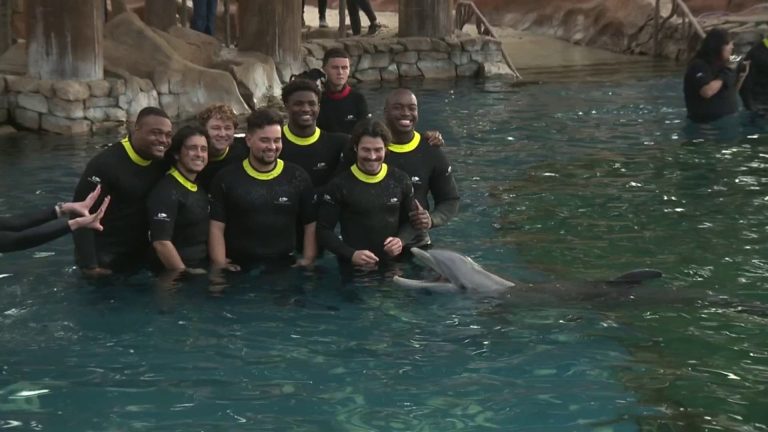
(367, 178)
(138, 160)
(183, 180)
(405, 148)
(223, 155)
(301, 140)
(258, 175)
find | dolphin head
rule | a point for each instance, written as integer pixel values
(456, 272)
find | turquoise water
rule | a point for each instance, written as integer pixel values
(561, 182)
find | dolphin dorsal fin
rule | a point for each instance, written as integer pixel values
(637, 276)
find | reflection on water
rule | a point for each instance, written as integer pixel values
(560, 182)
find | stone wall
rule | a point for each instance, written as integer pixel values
(462, 55)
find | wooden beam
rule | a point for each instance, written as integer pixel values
(160, 14)
(427, 18)
(272, 28)
(656, 27)
(6, 29)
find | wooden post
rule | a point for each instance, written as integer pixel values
(6, 31)
(160, 14)
(272, 28)
(342, 18)
(227, 25)
(656, 27)
(184, 14)
(65, 39)
(428, 18)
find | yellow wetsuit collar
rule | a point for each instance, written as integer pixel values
(765, 42)
(183, 180)
(138, 160)
(405, 148)
(367, 178)
(258, 175)
(301, 140)
(221, 156)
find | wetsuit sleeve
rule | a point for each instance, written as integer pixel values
(329, 212)
(85, 239)
(444, 191)
(20, 223)
(34, 236)
(218, 208)
(362, 108)
(162, 209)
(406, 232)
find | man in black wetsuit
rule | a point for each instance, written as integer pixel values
(427, 166)
(754, 91)
(126, 171)
(178, 208)
(316, 151)
(33, 229)
(224, 148)
(370, 200)
(341, 106)
(255, 204)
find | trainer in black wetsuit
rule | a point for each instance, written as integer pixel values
(178, 208)
(370, 201)
(127, 171)
(427, 166)
(33, 229)
(341, 106)
(710, 86)
(256, 204)
(316, 151)
(754, 92)
(224, 146)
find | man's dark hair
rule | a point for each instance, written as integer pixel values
(264, 117)
(298, 85)
(151, 112)
(370, 128)
(334, 53)
(178, 140)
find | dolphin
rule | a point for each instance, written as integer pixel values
(458, 273)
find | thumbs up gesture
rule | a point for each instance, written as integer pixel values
(420, 218)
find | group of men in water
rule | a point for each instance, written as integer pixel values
(206, 196)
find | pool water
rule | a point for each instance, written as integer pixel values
(561, 183)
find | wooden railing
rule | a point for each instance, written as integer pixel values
(465, 11)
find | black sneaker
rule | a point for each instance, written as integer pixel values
(374, 27)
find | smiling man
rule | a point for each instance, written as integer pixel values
(370, 200)
(224, 148)
(127, 171)
(256, 204)
(427, 166)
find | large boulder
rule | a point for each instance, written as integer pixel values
(132, 47)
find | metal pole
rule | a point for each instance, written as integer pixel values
(656, 29)
(227, 25)
(342, 18)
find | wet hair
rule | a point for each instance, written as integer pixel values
(151, 112)
(334, 53)
(370, 128)
(217, 111)
(263, 117)
(299, 85)
(711, 49)
(179, 138)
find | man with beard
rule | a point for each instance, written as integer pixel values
(220, 121)
(127, 171)
(316, 151)
(370, 200)
(256, 204)
(427, 166)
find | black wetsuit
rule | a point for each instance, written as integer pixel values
(178, 212)
(30, 230)
(430, 172)
(261, 213)
(128, 179)
(318, 155)
(754, 91)
(340, 111)
(721, 104)
(368, 212)
(235, 154)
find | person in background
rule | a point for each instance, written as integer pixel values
(322, 7)
(224, 148)
(177, 208)
(754, 91)
(204, 16)
(33, 229)
(354, 7)
(711, 85)
(127, 171)
(341, 106)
